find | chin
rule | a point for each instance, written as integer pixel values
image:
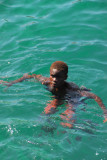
(54, 86)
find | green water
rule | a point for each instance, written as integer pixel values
(34, 34)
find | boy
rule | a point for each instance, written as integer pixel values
(62, 91)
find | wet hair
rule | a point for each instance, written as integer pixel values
(60, 66)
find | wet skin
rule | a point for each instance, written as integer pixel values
(57, 85)
(57, 79)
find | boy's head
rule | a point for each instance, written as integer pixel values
(58, 73)
(60, 66)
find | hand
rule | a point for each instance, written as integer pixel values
(8, 84)
(1, 81)
(5, 83)
(105, 115)
(105, 120)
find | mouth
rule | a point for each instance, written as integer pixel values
(54, 84)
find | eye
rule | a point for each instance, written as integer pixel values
(52, 76)
(55, 76)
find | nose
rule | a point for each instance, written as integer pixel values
(55, 79)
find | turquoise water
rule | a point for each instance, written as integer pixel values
(34, 34)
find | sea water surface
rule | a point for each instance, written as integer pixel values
(34, 34)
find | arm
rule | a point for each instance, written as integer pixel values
(68, 116)
(52, 106)
(25, 76)
(98, 100)
(40, 78)
(1, 81)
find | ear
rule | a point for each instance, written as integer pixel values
(66, 76)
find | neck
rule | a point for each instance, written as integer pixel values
(59, 88)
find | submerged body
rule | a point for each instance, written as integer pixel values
(64, 92)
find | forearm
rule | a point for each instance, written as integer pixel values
(68, 116)
(97, 99)
(93, 96)
(52, 106)
(19, 80)
(25, 76)
(100, 103)
(40, 78)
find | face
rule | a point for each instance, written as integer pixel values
(57, 78)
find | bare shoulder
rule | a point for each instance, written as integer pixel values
(73, 86)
